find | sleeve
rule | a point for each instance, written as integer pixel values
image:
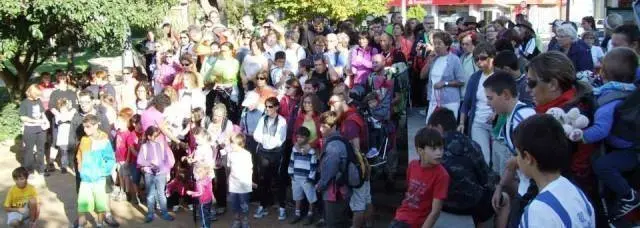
(466, 102)
(24, 110)
(352, 130)
(257, 132)
(142, 156)
(108, 157)
(458, 73)
(7, 200)
(301, 54)
(198, 190)
(53, 99)
(313, 165)
(291, 161)
(537, 215)
(329, 166)
(281, 134)
(441, 188)
(602, 123)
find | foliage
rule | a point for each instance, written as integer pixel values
(10, 125)
(300, 10)
(234, 10)
(417, 12)
(33, 30)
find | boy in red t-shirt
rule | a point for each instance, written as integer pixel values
(427, 181)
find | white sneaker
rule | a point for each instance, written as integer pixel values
(260, 212)
(282, 215)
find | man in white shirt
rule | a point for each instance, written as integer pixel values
(542, 151)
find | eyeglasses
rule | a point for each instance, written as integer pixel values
(270, 106)
(186, 64)
(532, 83)
(334, 102)
(480, 58)
(261, 78)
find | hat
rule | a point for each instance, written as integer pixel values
(251, 99)
(556, 23)
(469, 20)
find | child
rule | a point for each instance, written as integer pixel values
(96, 160)
(203, 155)
(34, 135)
(542, 152)
(63, 131)
(155, 162)
(133, 146)
(428, 183)
(302, 169)
(376, 116)
(122, 133)
(279, 75)
(204, 193)
(177, 188)
(618, 72)
(240, 180)
(21, 203)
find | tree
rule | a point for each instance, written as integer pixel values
(31, 31)
(416, 12)
(301, 10)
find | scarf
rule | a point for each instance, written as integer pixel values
(558, 102)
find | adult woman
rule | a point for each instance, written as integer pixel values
(343, 42)
(402, 43)
(294, 51)
(263, 90)
(468, 41)
(191, 96)
(272, 45)
(35, 124)
(308, 117)
(574, 48)
(475, 107)
(166, 69)
(225, 71)
(172, 36)
(588, 24)
(319, 44)
(173, 114)
(596, 51)
(253, 63)
(143, 96)
(290, 101)
(360, 61)
(444, 74)
(337, 58)
(220, 128)
(409, 29)
(270, 134)
(188, 64)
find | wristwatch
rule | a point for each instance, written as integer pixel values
(446, 84)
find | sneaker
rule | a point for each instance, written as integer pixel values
(295, 219)
(626, 205)
(148, 218)
(308, 220)
(50, 168)
(260, 212)
(166, 216)
(111, 221)
(282, 214)
(176, 208)
(190, 206)
(236, 224)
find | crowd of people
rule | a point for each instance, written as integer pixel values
(217, 116)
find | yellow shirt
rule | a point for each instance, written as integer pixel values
(17, 197)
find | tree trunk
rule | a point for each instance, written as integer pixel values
(70, 60)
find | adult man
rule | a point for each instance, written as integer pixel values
(148, 49)
(626, 36)
(396, 18)
(186, 46)
(324, 75)
(317, 29)
(422, 40)
(351, 124)
(88, 107)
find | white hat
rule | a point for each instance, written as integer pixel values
(251, 99)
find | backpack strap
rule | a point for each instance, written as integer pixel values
(551, 201)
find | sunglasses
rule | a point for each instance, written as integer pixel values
(532, 83)
(261, 78)
(480, 58)
(270, 106)
(186, 64)
(184, 37)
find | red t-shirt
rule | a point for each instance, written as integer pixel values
(424, 184)
(132, 141)
(121, 145)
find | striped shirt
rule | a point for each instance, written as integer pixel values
(303, 165)
(520, 112)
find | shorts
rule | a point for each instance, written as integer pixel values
(239, 202)
(92, 197)
(123, 169)
(301, 188)
(17, 216)
(360, 197)
(134, 173)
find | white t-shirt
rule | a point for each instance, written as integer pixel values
(251, 65)
(519, 113)
(293, 57)
(596, 54)
(559, 204)
(483, 110)
(241, 171)
(436, 73)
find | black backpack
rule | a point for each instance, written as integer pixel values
(627, 120)
(356, 171)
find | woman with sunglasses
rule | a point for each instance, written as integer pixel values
(270, 134)
(263, 90)
(475, 111)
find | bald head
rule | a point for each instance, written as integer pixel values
(378, 62)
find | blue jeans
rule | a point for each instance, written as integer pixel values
(204, 211)
(155, 185)
(239, 203)
(609, 167)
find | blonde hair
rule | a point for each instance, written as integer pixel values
(343, 40)
(196, 82)
(219, 107)
(62, 102)
(238, 139)
(101, 74)
(171, 93)
(33, 91)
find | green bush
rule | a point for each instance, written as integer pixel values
(416, 12)
(10, 125)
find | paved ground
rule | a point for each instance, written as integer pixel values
(58, 197)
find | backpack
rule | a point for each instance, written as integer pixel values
(627, 120)
(356, 171)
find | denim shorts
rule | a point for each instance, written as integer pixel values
(360, 197)
(239, 202)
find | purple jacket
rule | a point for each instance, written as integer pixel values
(361, 65)
(154, 158)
